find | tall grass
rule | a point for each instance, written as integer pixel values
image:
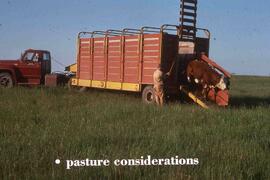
(39, 125)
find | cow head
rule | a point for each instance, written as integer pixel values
(221, 85)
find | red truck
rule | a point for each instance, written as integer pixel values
(29, 69)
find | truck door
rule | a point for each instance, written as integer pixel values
(29, 69)
(45, 65)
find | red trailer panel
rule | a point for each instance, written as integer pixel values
(151, 56)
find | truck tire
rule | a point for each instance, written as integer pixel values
(6, 80)
(148, 95)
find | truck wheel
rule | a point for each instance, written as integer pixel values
(6, 80)
(148, 95)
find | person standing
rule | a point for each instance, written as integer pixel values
(159, 78)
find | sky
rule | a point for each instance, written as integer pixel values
(240, 28)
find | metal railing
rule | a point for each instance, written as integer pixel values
(166, 28)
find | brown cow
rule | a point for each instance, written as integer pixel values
(201, 73)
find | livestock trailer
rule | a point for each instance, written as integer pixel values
(126, 60)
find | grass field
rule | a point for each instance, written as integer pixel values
(39, 125)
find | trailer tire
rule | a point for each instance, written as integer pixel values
(148, 95)
(6, 80)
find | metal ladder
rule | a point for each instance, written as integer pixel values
(188, 19)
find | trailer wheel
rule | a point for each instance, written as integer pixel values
(148, 95)
(6, 80)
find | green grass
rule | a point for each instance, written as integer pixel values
(39, 125)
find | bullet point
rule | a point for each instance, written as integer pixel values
(57, 161)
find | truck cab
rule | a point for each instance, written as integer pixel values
(30, 69)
